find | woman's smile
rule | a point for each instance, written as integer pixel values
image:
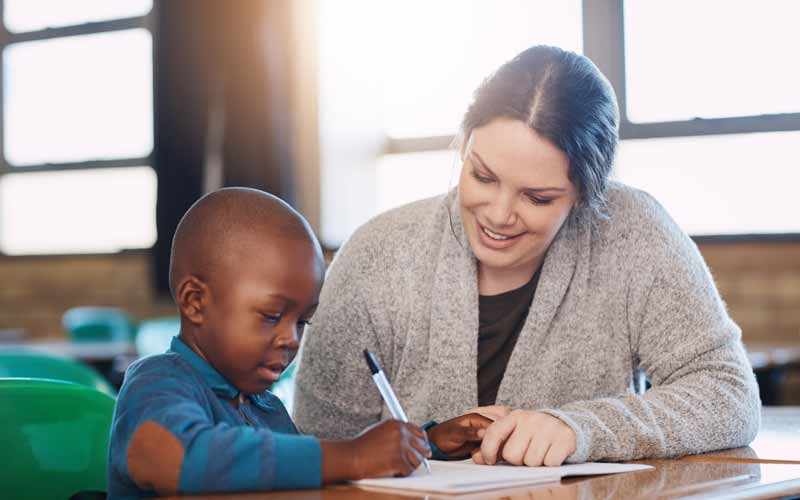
(496, 240)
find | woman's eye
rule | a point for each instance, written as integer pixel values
(480, 178)
(539, 201)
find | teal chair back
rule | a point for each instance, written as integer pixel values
(55, 438)
(29, 364)
(155, 335)
(97, 324)
(284, 387)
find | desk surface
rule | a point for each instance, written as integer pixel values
(738, 473)
(669, 479)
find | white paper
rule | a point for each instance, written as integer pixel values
(465, 476)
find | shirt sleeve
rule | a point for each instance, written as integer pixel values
(167, 442)
(703, 396)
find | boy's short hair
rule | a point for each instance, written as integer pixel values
(216, 220)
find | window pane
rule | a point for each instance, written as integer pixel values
(427, 57)
(403, 178)
(726, 184)
(31, 15)
(79, 98)
(711, 59)
(79, 211)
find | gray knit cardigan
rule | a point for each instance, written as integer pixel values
(617, 297)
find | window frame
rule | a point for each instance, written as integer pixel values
(146, 21)
(604, 43)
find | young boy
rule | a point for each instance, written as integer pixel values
(245, 272)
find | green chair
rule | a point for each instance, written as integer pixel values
(30, 364)
(97, 324)
(155, 335)
(55, 439)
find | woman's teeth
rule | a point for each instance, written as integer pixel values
(495, 236)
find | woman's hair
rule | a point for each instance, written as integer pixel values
(565, 99)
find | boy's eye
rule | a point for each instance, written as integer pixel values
(304, 322)
(272, 318)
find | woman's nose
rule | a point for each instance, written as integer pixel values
(501, 211)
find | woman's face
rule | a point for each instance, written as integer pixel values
(515, 195)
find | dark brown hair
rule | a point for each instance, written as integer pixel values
(564, 98)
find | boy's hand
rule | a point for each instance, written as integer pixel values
(526, 438)
(459, 436)
(389, 448)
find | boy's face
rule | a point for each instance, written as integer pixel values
(259, 300)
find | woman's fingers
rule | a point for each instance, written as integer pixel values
(495, 436)
(539, 445)
(557, 454)
(493, 412)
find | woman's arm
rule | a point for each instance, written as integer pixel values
(703, 396)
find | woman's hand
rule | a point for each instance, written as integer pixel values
(526, 438)
(494, 412)
(459, 436)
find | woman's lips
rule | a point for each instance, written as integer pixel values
(493, 243)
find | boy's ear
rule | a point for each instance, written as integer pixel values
(192, 297)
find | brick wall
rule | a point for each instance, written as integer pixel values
(35, 291)
(760, 283)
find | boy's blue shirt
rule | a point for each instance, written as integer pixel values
(207, 443)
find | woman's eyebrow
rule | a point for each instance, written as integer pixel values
(531, 189)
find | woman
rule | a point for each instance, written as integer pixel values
(539, 291)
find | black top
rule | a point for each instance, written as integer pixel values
(501, 319)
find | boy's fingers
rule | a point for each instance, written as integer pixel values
(477, 420)
(469, 434)
(417, 432)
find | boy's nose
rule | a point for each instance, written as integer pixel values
(289, 338)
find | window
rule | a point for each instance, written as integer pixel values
(732, 58)
(710, 113)
(396, 78)
(77, 127)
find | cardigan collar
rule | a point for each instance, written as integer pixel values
(454, 312)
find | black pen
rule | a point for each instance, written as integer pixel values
(388, 394)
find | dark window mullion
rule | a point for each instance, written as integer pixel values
(82, 165)
(74, 30)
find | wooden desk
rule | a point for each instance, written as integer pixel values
(747, 473)
(669, 479)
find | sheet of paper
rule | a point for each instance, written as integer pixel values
(465, 476)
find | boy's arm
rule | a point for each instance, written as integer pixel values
(166, 441)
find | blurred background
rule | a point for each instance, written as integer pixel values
(117, 115)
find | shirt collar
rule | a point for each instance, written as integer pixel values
(213, 378)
